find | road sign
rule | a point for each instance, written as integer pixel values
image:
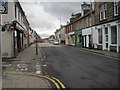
(2, 9)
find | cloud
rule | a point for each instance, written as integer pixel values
(61, 10)
(43, 16)
(44, 35)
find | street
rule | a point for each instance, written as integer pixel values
(78, 69)
(75, 45)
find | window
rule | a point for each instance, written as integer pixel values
(89, 20)
(115, 7)
(59, 35)
(114, 34)
(103, 11)
(18, 15)
(21, 18)
(106, 30)
(71, 28)
(100, 36)
(84, 22)
(15, 11)
(79, 38)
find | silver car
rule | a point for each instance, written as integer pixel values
(56, 42)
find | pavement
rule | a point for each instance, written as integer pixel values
(28, 54)
(105, 53)
(24, 81)
(26, 61)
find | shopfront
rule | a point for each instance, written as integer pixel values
(78, 38)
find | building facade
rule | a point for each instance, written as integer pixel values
(57, 35)
(62, 34)
(51, 38)
(107, 17)
(14, 37)
(97, 27)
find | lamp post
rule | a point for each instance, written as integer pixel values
(91, 24)
(60, 21)
(0, 51)
(36, 45)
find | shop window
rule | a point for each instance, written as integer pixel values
(79, 38)
(106, 34)
(73, 39)
(100, 36)
(114, 34)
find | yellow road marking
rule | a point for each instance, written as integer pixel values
(59, 82)
(28, 73)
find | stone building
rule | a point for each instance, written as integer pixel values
(97, 27)
(70, 29)
(107, 25)
(79, 30)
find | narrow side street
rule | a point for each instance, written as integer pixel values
(79, 69)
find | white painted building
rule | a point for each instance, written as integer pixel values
(86, 34)
(108, 36)
(57, 35)
(15, 40)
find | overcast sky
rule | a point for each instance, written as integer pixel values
(43, 16)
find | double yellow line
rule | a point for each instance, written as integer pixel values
(59, 85)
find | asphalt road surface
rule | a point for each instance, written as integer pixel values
(78, 69)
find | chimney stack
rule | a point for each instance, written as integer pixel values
(85, 8)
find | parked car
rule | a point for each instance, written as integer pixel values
(41, 40)
(51, 41)
(56, 42)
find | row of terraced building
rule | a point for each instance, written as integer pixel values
(96, 27)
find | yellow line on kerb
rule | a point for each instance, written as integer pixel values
(59, 82)
(28, 73)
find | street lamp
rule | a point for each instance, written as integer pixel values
(60, 21)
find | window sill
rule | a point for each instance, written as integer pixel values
(100, 44)
(103, 19)
(113, 44)
(115, 15)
